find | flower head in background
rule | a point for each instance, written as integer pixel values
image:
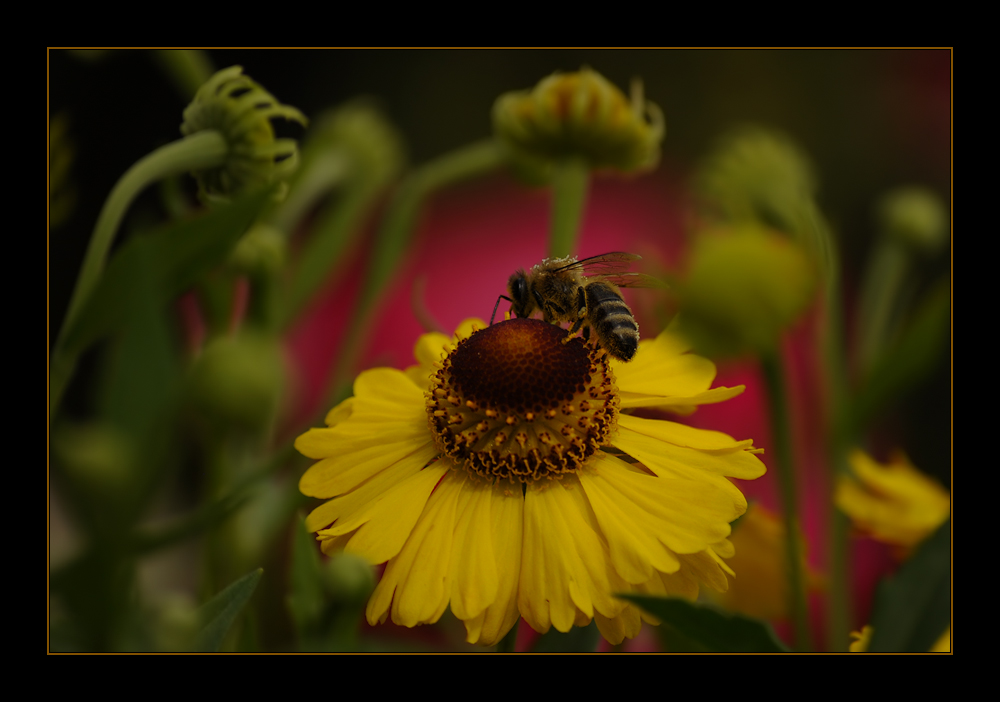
(581, 115)
(893, 503)
(503, 476)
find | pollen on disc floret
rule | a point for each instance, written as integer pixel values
(514, 401)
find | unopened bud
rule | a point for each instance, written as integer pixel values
(742, 290)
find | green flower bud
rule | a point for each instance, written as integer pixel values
(97, 457)
(261, 251)
(348, 578)
(742, 290)
(363, 133)
(237, 382)
(915, 217)
(581, 115)
(241, 110)
(759, 175)
(176, 624)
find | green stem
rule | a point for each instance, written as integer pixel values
(188, 69)
(201, 150)
(839, 602)
(784, 466)
(394, 237)
(569, 196)
(884, 281)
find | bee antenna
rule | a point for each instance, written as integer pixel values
(502, 297)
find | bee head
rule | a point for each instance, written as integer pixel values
(520, 295)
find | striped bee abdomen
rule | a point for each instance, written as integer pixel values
(612, 321)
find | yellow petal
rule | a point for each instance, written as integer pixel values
(625, 626)
(474, 578)
(507, 514)
(339, 413)
(384, 524)
(679, 404)
(685, 515)
(359, 461)
(387, 395)
(421, 570)
(430, 348)
(565, 572)
(691, 451)
(634, 549)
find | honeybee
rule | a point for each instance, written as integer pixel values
(582, 293)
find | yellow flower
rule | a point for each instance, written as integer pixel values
(504, 476)
(894, 503)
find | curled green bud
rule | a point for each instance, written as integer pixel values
(581, 115)
(742, 290)
(237, 382)
(916, 218)
(241, 110)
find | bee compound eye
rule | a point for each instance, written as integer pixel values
(519, 290)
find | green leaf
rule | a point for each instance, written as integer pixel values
(913, 608)
(908, 362)
(179, 255)
(576, 640)
(690, 627)
(219, 613)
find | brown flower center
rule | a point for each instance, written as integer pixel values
(514, 401)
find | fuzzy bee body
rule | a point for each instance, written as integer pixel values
(584, 294)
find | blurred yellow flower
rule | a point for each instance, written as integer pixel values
(862, 640)
(893, 503)
(760, 588)
(502, 477)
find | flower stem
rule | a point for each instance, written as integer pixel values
(784, 466)
(201, 150)
(839, 604)
(880, 299)
(569, 195)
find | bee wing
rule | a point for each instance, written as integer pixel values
(605, 264)
(632, 280)
(613, 268)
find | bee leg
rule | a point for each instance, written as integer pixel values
(502, 297)
(581, 315)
